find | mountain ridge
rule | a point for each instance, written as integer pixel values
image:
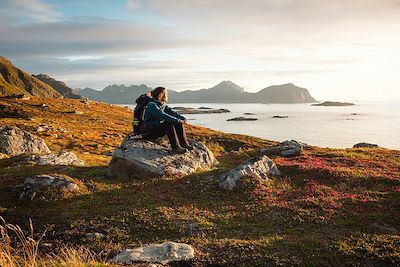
(59, 86)
(223, 92)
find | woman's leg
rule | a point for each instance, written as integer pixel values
(180, 132)
(169, 129)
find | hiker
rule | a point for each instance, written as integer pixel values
(160, 120)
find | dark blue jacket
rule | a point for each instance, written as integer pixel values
(155, 113)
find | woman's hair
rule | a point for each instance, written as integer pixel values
(156, 92)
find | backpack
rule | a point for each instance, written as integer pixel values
(138, 113)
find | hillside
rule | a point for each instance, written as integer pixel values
(224, 92)
(59, 86)
(14, 81)
(331, 207)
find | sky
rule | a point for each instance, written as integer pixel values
(339, 50)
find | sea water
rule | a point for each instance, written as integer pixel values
(337, 127)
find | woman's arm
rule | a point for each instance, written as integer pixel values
(154, 110)
(172, 112)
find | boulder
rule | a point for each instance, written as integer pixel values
(286, 149)
(14, 141)
(365, 145)
(39, 183)
(137, 157)
(61, 158)
(158, 253)
(257, 167)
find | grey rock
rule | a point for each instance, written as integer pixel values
(257, 167)
(95, 236)
(14, 141)
(158, 253)
(40, 129)
(365, 145)
(61, 158)
(286, 149)
(108, 153)
(141, 158)
(32, 186)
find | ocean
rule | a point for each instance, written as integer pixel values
(335, 127)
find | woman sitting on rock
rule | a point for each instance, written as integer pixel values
(161, 120)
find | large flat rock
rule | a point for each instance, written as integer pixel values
(158, 253)
(61, 158)
(141, 158)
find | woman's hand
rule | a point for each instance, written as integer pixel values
(185, 122)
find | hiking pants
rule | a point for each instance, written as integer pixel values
(175, 132)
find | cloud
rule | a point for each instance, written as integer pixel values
(29, 10)
(134, 4)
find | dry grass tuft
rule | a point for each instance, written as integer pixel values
(19, 249)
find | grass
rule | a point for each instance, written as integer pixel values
(330, 207)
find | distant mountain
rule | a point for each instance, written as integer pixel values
(115, 94)
(285, 93)
(14, 81)
(59, 86)
(224, 92)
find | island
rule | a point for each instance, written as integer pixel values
(333, 104)
(242, 119)
(202, 110)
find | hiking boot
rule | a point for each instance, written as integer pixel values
(188, 147)
(178, 150)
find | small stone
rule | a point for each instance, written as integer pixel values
(95, 236)
(40, 129)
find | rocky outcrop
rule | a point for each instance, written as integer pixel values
(365, 145)
(14, 141)
(242, 119)
(40, 183)
(286, 149)
(61, 158)
(159, 253)
(258, 167)
(141, 158)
